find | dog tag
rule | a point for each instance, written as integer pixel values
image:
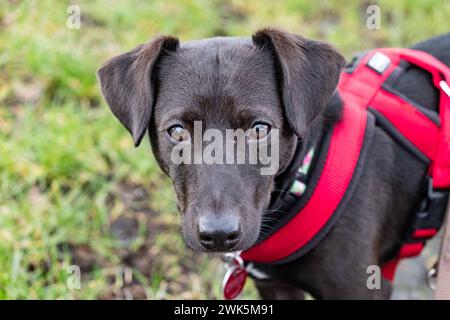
(234, 280)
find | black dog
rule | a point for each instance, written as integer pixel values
(274, 80)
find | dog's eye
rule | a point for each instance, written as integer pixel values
(178, 134)
(259, 130)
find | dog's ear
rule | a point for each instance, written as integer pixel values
(128, 84)
(307, 70)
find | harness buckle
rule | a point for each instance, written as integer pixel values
(430, 214)
(379, 62)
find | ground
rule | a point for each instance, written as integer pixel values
(74, 190)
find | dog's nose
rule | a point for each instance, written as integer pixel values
(219, 233)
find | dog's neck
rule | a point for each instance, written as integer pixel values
(313, 137)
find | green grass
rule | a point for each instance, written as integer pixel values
(65, 161)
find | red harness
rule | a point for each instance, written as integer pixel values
(365, 93)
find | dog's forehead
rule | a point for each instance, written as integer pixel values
(228, 67)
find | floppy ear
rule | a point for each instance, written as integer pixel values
(308, 72)
(128, 84)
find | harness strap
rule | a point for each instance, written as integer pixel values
(340, 164)
(429, 138)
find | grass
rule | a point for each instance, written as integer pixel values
(72, 186)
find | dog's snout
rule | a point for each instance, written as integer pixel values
(219, 233)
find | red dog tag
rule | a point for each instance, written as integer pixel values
(234, 280)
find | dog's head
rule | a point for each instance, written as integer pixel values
(276, 82)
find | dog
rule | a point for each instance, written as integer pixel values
(273, 80)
